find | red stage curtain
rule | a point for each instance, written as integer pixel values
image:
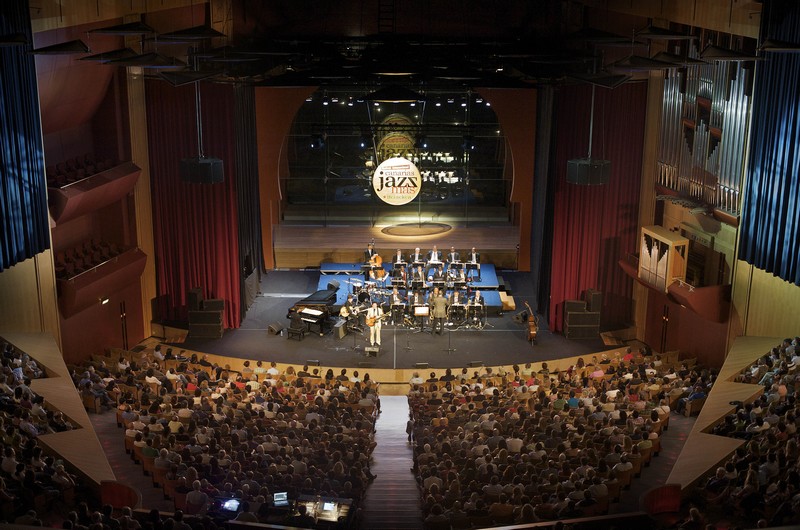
(594, 226)
(195, 225)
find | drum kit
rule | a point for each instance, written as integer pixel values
(367, 292)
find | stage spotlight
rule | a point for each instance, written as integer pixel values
(421, 142)
(365, 141)
(468, 143)
(438, 102)
(325, 101)
(317, 141)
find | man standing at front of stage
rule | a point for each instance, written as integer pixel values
(439, 312)
(374, 315)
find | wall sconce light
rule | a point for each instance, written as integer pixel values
(104, 300)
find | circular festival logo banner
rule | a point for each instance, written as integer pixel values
(396, 181)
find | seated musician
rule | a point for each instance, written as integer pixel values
(434, 259)
(398, 268)
(350, 311)
(453, 256)
(438, 275)
(416, 257)
(419, 278)
(398, 258)
(456, 298)
(457, 276)
(418, 298)
(474, 257)
(398, 306)
(477, 300)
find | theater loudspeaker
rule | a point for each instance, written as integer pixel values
(372, 351)
(193, 298)
(333, 285)
(201, 170)
(475, 364)
(312, 362)
(588, 171)
(274, 328)
(594, 300)
(422, 365)
(340, 329)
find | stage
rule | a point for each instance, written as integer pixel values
(501, 341)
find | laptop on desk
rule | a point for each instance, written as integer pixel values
(280, 499)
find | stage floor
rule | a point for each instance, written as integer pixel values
(502, 341)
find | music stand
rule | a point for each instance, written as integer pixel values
(420, 312)
(449, 342)
(473, 267)
(456, 265)
(417, 285)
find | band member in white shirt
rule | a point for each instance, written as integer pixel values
(416, 257)
(374, 316)
(434, 259)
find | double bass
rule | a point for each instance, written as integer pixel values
(533, 324)
(378, 272)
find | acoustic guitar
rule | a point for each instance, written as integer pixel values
(372, 320)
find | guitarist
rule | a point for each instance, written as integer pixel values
(374, 317)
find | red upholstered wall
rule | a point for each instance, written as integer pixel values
(594, 226)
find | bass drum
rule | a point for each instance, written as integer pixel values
(363, 297)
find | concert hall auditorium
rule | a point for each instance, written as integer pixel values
(399, 264)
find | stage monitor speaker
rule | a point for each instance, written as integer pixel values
(275, 328)
(312, 362)
(372, 351)
(205, 317)
(201, 170)
(422, 365)
(340, 329)
(588, 171)
(365, 364)
(214, 304)
(333, 285)
(574, 306)
(475, 364)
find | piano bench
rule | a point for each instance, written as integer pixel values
(298, 333)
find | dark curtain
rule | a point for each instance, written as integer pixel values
(250, 255)
(24, 222)
(594, 226)
(540, 239)
(770, 227)
(195, 225)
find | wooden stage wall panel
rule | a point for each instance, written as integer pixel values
(299, 247)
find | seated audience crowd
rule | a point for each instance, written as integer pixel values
(29, 479)
(213, 432)
(760, 482)
(524, 446)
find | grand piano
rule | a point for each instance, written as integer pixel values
(314, 311)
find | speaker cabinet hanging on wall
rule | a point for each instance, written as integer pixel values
(201, 170)
(588, 171)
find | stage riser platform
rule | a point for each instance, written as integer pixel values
(304, 247)
(488, 278)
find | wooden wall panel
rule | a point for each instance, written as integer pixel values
(766, 304)
(142, 199)
(28, 297)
